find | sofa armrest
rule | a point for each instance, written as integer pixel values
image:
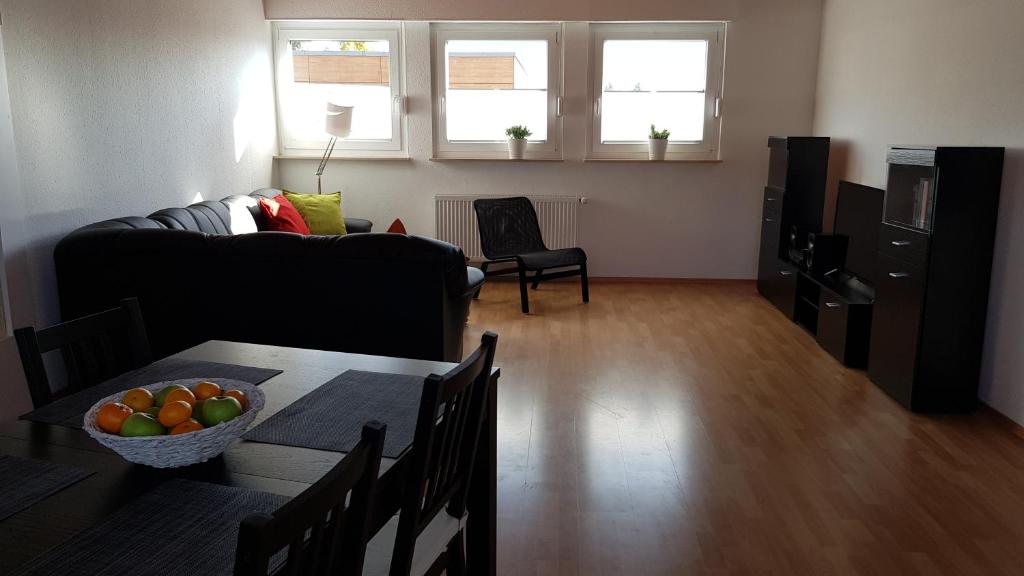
(358, 225)
(474, 279)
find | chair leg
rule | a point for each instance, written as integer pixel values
(536, 275)
(584, 283)
(483, 268)
(457, 556)
(522, 291)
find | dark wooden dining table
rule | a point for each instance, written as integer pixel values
(285, 470)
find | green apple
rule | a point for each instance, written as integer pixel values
(142, 424)
(197, 412)
(158, 400)
(220, 409)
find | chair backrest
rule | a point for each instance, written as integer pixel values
(444, 447)
(508, 226)
(94, 348)
(325, 529)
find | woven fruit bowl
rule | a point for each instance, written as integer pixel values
(173, 451)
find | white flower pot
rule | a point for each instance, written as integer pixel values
(656, 148)
(516, 149)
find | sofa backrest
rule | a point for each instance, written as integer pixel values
(229, 216)
(386, 294)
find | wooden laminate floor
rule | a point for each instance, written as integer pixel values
(692, 429)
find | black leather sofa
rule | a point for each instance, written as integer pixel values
(210, 271)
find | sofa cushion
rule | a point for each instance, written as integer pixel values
(282, 216)
(322, 212)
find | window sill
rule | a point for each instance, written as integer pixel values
(343, 158)
(481, 159)
(666, 161)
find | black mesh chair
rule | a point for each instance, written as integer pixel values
(509, 232)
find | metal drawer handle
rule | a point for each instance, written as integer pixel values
(833, 304)
(769, 219)
(898, 274)
(900, 242)
(786, 273)
(769, 199)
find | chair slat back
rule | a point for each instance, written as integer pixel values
(324, 530)
(444, 448)
(94, 349)
(508, 226)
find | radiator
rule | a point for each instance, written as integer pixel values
(456, 222)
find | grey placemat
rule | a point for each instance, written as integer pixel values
(70, 410)
(182, 527)
(24, 482)
(332, 416)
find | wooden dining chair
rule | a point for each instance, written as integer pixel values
(94, 349)
(324, 530)
(428, 536)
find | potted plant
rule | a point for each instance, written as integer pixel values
(657, 144)
(517, 136)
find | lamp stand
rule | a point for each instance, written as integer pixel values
(323, 163)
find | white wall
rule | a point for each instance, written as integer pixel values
(643, 220)
(14, 398)
(937, 72)
(123, 107)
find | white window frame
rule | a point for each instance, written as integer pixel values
(551, 149)
(706, 150)
(393, 32)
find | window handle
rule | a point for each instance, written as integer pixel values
(444, 107)
(399, 105)
(718, 107)
(558, 106)
(597, 106)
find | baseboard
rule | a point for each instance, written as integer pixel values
(641, 280)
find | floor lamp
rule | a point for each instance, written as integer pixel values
(339, 125)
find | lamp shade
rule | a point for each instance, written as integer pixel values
(339, 120)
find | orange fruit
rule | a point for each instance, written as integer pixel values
(183, 394)
(238, 395)
(206, 390)
(174, 413)
(187, 426)
(138, 399)
(110, 417)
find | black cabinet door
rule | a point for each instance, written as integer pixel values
(783, 293)
(767, 265)
(896, 326)
(832, 322)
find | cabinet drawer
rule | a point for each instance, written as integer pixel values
(772, 201)
(908, 245)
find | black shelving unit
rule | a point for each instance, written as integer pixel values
(793, 197)
(934, 268)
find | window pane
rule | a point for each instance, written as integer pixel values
(660, 82)
(346, 72)
(494, 84)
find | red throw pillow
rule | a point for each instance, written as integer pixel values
(282, 216)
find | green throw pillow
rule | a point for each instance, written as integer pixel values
(322, 212)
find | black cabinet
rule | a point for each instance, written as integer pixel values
(932, 280)
(793, 197)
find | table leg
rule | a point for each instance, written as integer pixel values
(481, 526)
